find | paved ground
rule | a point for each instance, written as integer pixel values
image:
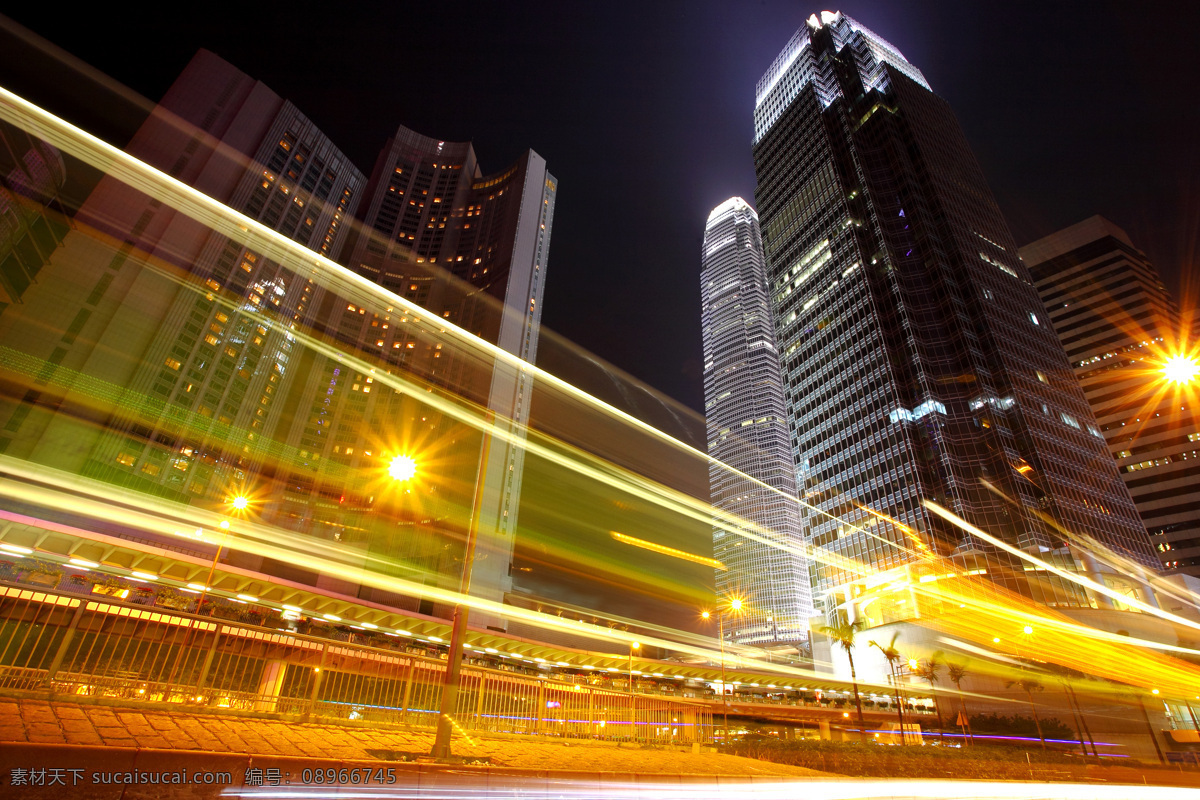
(57, 723)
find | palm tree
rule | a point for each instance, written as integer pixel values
(1029, 686)
(893, 658)
(956, 672)
(929, 671)
(842, 633)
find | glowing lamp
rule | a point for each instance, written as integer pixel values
(1181, 369)
(402, 468)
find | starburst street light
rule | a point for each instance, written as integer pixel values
(240, 503)
(402, 468)
(1181, 369)
(735, 604)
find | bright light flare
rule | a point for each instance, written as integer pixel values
(402, 468)
(1181, 369)
(241, 502)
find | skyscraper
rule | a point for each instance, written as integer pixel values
(747, 430)
(917, 358)
(1119, 326)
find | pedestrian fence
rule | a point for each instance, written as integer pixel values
(70, 645)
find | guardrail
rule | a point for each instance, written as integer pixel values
(66, 644)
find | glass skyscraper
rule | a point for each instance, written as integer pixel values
(918, 361)
(747, 431)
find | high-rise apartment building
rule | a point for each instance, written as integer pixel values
(1120, 326)
(747, 431)
(187, 325)
(471, 248)
(164, 356)
(918, 360)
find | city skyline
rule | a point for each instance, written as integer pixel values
(282, 435)
(1032, 115)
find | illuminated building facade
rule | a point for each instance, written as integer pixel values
(181, 357)
(175, 361)
(919, 363)
(747, 431)
(472, 250)
(1119, 324)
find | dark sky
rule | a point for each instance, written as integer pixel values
(644, 113)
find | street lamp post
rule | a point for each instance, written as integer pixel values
(441, 742)
(212, 568)
(735, 605)
(240, 504)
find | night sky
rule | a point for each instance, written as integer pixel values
(644, 113)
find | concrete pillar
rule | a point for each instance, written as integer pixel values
(826, 734)
(270, 685)
(1091, 568)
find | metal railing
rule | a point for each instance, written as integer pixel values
(101, 648)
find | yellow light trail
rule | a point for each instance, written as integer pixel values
(667, 551)
(1119, 563)
(1062, 573)
(19, 479)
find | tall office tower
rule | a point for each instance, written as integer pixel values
(1119, 324)
(471, 249)
(919, 362)
(747, 430)
(191, 329)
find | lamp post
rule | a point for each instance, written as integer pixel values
(239, 504)
(441, 742)
(735, 605)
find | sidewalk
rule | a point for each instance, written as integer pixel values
(59, 723)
